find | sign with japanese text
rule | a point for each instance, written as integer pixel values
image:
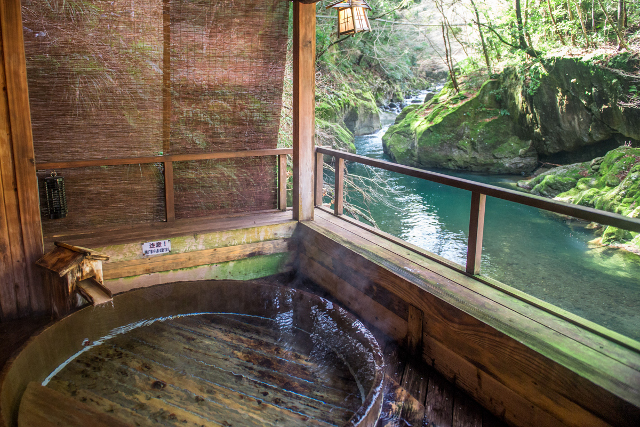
(156, 248)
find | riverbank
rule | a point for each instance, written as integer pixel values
(526, 248)
(610, 183)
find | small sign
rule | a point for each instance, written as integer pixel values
(156, 248)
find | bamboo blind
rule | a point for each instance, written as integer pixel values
(134, 78)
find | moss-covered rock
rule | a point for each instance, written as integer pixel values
(335, 135)
(610, 183)
(564, 104)
(354, 108)
(460, 131)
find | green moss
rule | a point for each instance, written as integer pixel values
(335, 134)
(611, 183)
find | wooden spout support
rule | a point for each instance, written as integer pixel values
(71, 271)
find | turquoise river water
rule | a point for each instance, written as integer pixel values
(526, 248)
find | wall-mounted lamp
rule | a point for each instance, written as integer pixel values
(56, 196)
(352, 16)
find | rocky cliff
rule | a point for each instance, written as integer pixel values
(559, 109)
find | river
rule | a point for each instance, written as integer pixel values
(529, 249)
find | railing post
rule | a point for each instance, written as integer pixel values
(282, 182)
(319, 178)
(338, 195)
(169, 203)
(476, 228)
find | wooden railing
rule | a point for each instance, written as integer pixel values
(479, 193)
(168, 169)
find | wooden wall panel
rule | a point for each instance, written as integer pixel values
(22, 291)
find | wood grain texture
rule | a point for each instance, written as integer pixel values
(338, 203)
(319, 190)
(164, 158)
(26, 183)
(282, 182)
(12, 274)
(44, 407)
(60, 260)
(466, 412)
(169, 193)
(476, 230)
(546, 382)
(192, 259)
(439, 403)
(415, 321)
(108, 236)
(369, 310)
(304, 53)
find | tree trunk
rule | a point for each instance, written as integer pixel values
(521, 41)
(555, 26)
(484, 45)
(621, 42)
(584, 28)
(526, 20)
(621, 14)
(573, 36)
(449, 60)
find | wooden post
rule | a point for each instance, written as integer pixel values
(476, 228)
(168, 192)
(319, 178)
(282, 182)
(166, 112)
(339, 189)
(304, 52)
(21, 289)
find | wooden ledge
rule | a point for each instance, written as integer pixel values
(107, 236)
(521, 360)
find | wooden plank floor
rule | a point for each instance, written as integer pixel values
(415, 393)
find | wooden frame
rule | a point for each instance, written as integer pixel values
(168, 160)
(304, 54)
(21, 291)
(479, 193)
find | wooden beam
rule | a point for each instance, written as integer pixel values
(304, 50)
(160, 159)
(166, 77)
(319, 178)
(476, 229)
(540, 202)
(169, 195)
(25, 214)
(338, 203)
(156, 264)
(282, 182)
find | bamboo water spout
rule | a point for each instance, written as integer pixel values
(73, 273)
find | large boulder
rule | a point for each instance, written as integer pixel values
(452, 132)
(565, 104)
(353, 108)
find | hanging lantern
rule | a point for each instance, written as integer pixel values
(56, 197)
(352, 16)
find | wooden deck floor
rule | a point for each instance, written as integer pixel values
(415, 394)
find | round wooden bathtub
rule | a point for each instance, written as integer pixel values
(200, 353)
